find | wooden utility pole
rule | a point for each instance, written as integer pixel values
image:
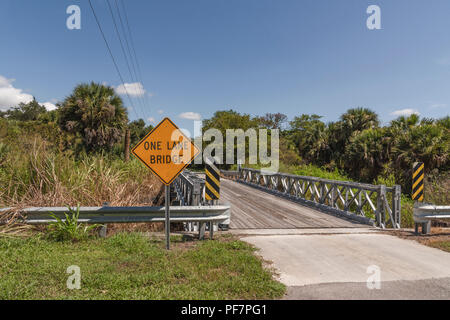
(127, 145)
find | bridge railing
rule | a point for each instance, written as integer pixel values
(191, 192)
(190, 189)
(377, 205)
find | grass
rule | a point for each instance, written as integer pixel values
(133, 266)
(438, 238)
(443, 245)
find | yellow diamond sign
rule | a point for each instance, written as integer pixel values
(166, 151)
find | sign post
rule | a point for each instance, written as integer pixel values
(167, 216)
(166, 151)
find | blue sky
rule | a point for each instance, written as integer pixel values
(254, 56)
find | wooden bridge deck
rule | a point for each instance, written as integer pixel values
(256, 209)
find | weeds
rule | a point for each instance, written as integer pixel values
(44, 177)
(69, 228)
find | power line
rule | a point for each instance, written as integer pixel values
(129, 51)
(133, 47)
(123, 51)
(112, 56)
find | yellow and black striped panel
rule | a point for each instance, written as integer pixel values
(212, 185)
(417, 181)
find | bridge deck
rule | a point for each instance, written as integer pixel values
(256, 209)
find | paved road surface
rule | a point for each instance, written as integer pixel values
(334, 266)
(429, 289)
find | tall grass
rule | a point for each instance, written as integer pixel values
(39, 176)
(35, 173)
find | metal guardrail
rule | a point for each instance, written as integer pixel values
(376, 205)
(41, 215)
(192, 210)
(425, 213)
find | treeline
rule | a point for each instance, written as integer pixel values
(356, 145)
(90, 120)
(74, 154)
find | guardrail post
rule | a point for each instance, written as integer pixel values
(196, 194)
(103, 228)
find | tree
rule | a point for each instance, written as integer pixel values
(26, 111)
(230, 119)
(359, 119)
(308, 134)
(405, 123)
(96, 113)
(444, 122)
(339, 133)
(272, 120)
(138, 130)
(367, 153)
(426, 143)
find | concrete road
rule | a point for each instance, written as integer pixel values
(335, 265)
(390, 290)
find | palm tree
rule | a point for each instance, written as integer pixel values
(359, 119)
(367, 153)
(404, 123)
(96, 113)
(308, 133)
(427, 143)
(351, 124)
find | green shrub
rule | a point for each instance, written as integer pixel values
(69, 229)
(314, 171)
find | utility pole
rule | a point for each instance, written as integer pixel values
(127, 145)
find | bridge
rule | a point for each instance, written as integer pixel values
(261, 200)
(253, 208)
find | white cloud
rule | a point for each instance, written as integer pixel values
(48, 105)
(404, 112)
(190, 116)
(151, 120)
(160, 111)
(10, 96)
(134, 89)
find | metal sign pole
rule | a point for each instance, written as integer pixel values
(167, 199)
